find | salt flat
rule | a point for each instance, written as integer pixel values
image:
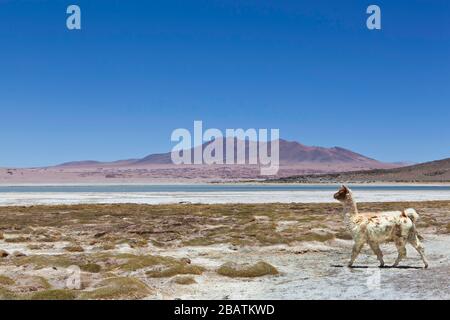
(213, 197)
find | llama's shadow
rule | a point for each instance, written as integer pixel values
(367, 267)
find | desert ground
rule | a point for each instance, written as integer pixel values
(211, 251)
(161, 173)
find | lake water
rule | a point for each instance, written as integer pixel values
(212, 193)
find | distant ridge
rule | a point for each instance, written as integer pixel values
(90, 163)
(79, 163)
(433, 171)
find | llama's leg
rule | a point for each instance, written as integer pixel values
(376, 249)
(401, 248)
(415, 242)
(355, 251)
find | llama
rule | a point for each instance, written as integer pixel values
(380, 227)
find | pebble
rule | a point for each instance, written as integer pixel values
(3, 254)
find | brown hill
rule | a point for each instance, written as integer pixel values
(434, 171)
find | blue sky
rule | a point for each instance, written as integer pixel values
(139, 69)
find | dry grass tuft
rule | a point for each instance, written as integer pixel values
(447, 228)
(4, 280)
(118, 288)
(184, 280)
(320, 236)
(74, 248)
(53, 294)
(35, 246)
(179, 268)
(130, 262)
(107, 246)
(91, 267)
(6, 294)
(44, 261)
(259, 269)
(17, 239)
(343, 234)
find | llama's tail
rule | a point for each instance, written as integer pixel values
(412, 214)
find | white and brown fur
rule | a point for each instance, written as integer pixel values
(379, 227)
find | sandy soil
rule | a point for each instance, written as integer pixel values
(164, 173)
(317, 271)
(178, 252)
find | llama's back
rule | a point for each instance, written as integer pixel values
(410, 213)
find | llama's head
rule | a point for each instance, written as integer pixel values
(344, 194)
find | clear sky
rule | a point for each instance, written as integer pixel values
(139, 69)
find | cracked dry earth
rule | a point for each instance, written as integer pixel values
(188, 251)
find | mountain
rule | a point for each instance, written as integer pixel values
(434, 171)
(294, 152)
(296, 160)
(291, 153)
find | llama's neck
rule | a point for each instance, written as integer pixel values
(350, 209)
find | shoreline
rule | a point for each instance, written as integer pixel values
(212, 194)
(258, 197)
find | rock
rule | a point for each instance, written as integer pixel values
(1, 236)
(19, 254)
(100, 234)
(3, 254)
(186, 260)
